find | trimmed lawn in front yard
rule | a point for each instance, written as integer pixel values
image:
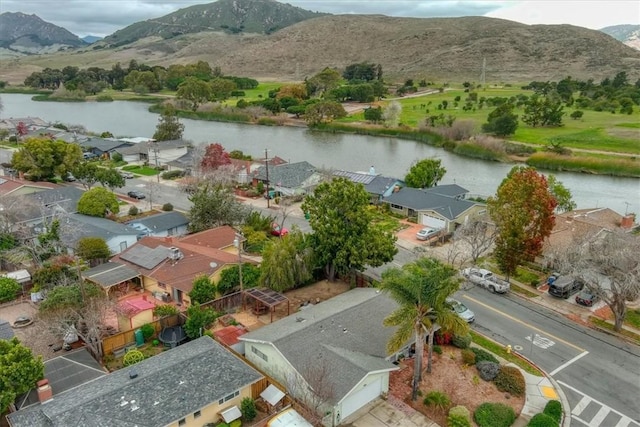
(141, 170)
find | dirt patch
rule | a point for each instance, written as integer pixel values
(449, 375)
(311, 294)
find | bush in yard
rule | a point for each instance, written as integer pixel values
(461, 341)
(468, 357)
(235, 423)
(133, 211)
(172, 174)
(147, 331)
(437, 399)
(437, 349)
(542, 420)
(553, 408)
(442, 338)
(459, 416)
(494, 415)
(488, 371)
(167, 207)
(511, 380)
(132, 357)
(165, 310)
(9, 289)
(482, 355)
(248, 409)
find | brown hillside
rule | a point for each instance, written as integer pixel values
(433, 48)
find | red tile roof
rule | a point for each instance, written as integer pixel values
(229, 334)
(218, 238)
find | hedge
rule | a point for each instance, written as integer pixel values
(494, 415)
(510, 380)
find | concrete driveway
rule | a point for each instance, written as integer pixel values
(387, 413)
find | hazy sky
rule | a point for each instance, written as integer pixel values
(103, 17)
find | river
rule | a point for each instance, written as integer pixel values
(389, 156)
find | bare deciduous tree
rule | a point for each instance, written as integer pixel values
(312, 387)
(608, 264)
(479, 235)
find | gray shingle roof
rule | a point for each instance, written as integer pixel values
(143, 147)
(288, 175)
(104, 145)
(6, 331)
(100, 227)
(374, 184)
(431, 199)
(65, 198)
(162, 221)
(110, 273)
(346, 332)
(174, 379)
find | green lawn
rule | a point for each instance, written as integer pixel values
(142, 170)
(499, 350)
(602, 131)
(633, 318)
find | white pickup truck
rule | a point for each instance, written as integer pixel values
(486, 279)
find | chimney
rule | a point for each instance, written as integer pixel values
(44, 390)
(627, 221)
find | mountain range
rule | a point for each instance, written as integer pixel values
(627, 34)
(265, 39)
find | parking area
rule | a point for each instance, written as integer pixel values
(387, 413)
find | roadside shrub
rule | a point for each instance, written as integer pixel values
(442, 338)
(172, 174)
(116, 157)
(147, 331)
(510, 380)
(494, 415)
(461, 341)
(483, 355)
(553, 408)
(488, 371)
(248, 409)
(542, 420)
(437, 349)
(468, 357)
(133, 211)
(459, 416)
(167, 207)
(437, 399)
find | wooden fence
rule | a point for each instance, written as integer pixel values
(122, 339)
(226, 304)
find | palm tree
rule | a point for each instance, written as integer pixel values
(421, 289)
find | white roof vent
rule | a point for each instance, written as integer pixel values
(175, 253)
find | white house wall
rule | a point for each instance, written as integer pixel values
(369, 379)
(114, 243)
(275, 365)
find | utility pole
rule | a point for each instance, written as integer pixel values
(238, 243)
(266, 163)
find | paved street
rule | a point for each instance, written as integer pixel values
(599, 374)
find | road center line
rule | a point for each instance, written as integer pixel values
(523, 323)
(569, 362)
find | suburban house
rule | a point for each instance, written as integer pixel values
(168, 266)
(288, 178)
(12, 186)
(571, 227)
(442, 207)
(162, 224)
(169, 389)
(113, 275)
(118, 236)
(156, 153)
(31, 124)
(336, 347)
(102, 147)
(377, 186)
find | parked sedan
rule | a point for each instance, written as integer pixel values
(276, 230)
(586, 298)
(426, 233)
(126, 175)
(136, 194)
(461, 310)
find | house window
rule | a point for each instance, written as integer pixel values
(196, 414)
(123, 246)
(229, 397)
(259, 354)
(182, 422)
(398, 207)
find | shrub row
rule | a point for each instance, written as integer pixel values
(494, 415)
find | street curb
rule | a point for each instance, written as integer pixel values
(566, 408)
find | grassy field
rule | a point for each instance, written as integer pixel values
(600, 131)
(142, 170)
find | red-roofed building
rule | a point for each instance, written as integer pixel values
(229, 336)
(134, 312)
(169, 266)
(18, 187)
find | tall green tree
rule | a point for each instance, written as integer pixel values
(198, 320)
(523, 212)
(543, 111)
(502, 121)
(9, 289)
(19, 371)
(230, 278)
(42, 158)
(214, 205)
(98, 202)
(195, 91)
(562, 194)
(344, 235)
(169, 127)
(323, 111)
(203, 290)
(110, 177)
(93, 249)
(421, 290)
(86, 173)
(287, 262)
(324, 81)
(425, 174)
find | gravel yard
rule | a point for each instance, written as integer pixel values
(35, 336)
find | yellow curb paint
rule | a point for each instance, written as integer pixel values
(548, 392)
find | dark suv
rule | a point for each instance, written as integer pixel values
(565, 286)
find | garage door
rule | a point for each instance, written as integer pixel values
(361, 398)
(433, 222)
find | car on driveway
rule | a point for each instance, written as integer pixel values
(135, 194)
(461, 310)
(126, 175)
(426, 233)
(69, 177)
(586, 298)
(276, 230)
